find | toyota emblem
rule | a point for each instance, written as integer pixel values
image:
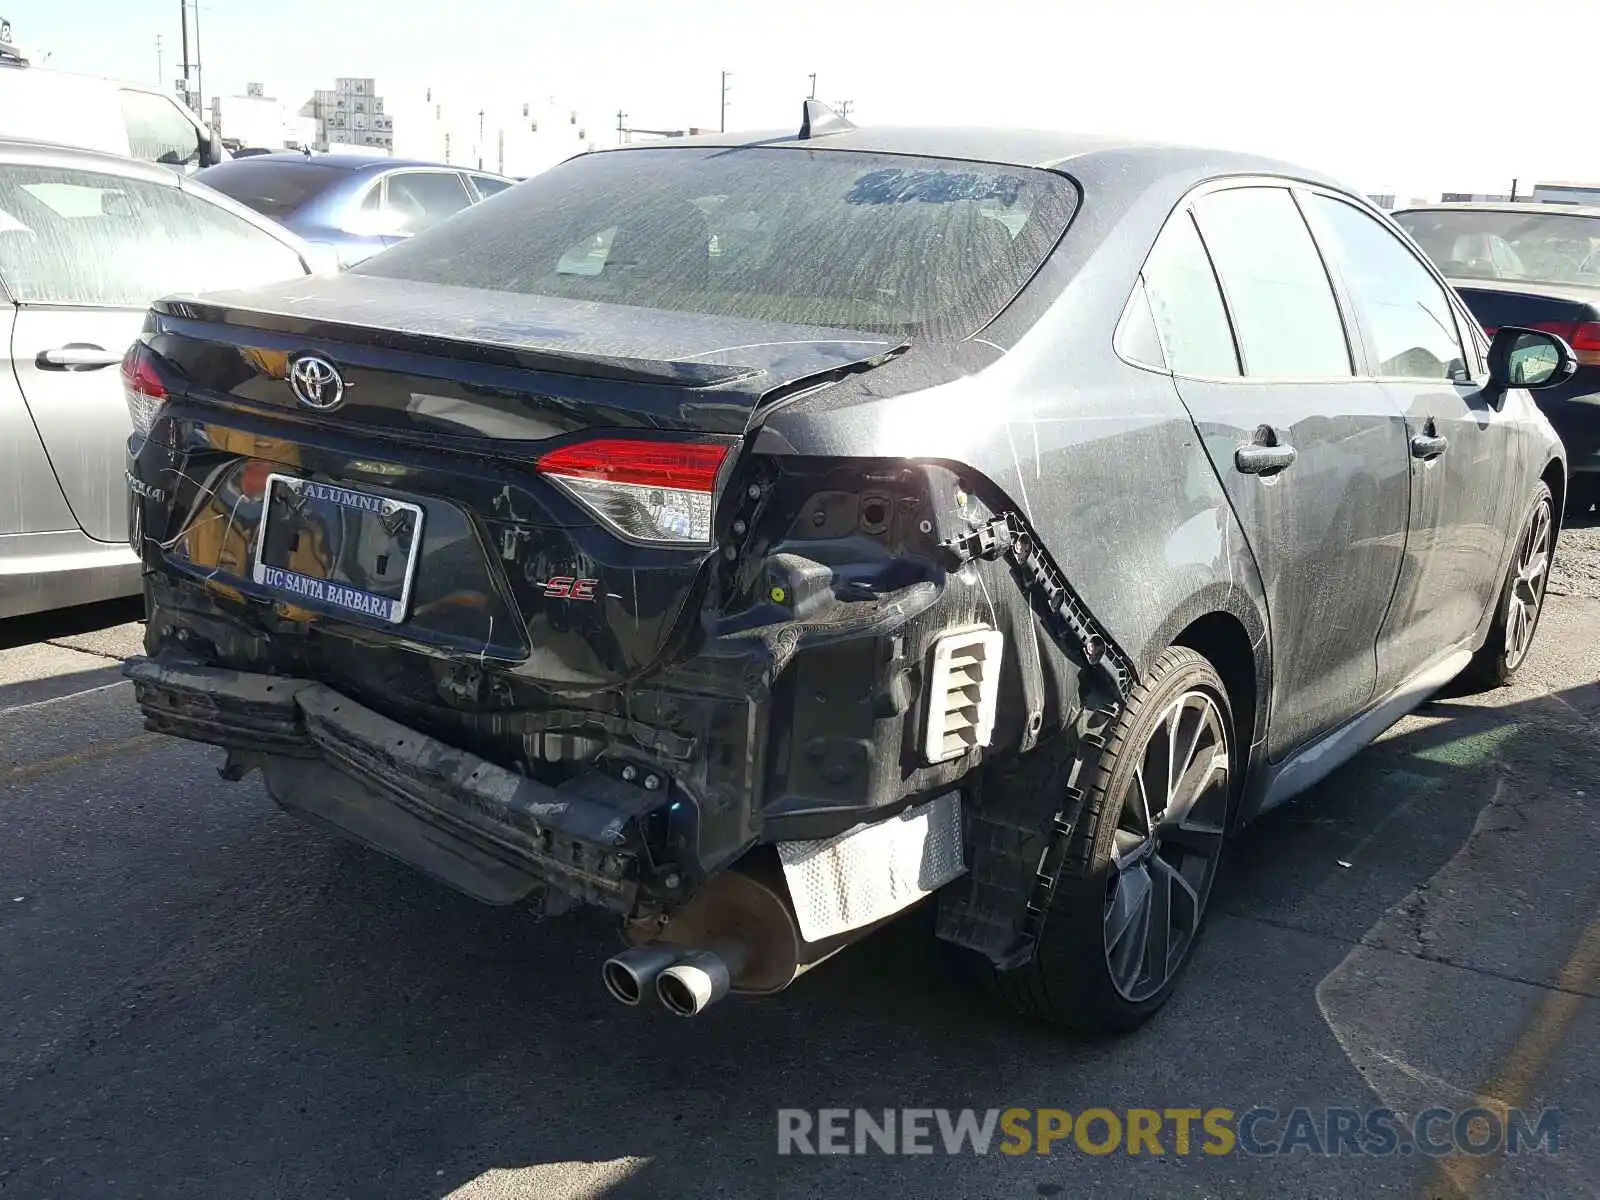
(316, 382)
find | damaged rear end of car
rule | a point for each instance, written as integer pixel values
(515, 587)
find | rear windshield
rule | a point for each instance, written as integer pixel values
(1494, 244)
(275, 189)
(849, 240)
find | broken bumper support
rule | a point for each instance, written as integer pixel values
(493, 834)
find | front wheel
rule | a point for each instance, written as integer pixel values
(1127, 910)
(1521, 601)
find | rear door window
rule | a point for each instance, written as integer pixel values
(1276, 286)
(419, 200)
(158, 131)
(1187, 306)
(1405, 309)
(488, 185)
(845, 239)
(88, 239)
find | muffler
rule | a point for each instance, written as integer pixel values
(631, 976)
(738, 934)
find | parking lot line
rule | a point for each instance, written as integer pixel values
(1512, 1086)
(16, 708)
(35, 770)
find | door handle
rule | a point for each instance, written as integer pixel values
(77, 356)
(1264, 453)
(1428, 445)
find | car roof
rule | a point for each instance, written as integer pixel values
(1554, 210)
(358, 163)
(1002, 145)
(50, 154)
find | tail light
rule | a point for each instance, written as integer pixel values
(141, 384)
(661, 493)
(1585, 343)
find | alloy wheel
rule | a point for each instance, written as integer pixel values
(1168, 840)
(1529, 575)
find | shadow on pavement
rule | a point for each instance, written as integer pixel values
(69, 622)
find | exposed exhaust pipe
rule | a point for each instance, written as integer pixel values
(631, 976)
(695, 982)
(738, 934)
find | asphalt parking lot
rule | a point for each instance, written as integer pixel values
(201, 997)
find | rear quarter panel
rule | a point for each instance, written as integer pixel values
(1101, 457)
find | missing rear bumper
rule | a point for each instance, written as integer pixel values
(493, 834)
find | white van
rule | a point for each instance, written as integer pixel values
(126, 119)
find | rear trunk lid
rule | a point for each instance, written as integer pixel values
(1512, 302)
(449, 400)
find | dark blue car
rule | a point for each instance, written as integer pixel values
(354, 204)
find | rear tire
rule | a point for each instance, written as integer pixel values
(1521, 602)
(1127, 910)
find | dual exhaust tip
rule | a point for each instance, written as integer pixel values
(686, 982)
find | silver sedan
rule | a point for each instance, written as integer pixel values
(87, 241)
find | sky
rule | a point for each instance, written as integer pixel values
(1412, 96)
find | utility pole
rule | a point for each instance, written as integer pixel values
(199, 79)
(622, 128)
(722, 122)
(161, 74)
(813, 95)
(183, 15)
(480, 139)
(1513, 191)
(843, 108)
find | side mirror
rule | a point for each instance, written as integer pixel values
(1529, 358)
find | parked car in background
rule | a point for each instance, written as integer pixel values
(996, 515)
(115, 117)
(355, 204)
(87, 241)
(1535, 266)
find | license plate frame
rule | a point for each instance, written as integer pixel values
(331, 594)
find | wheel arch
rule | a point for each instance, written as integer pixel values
(1554, 476)
(1223, 624)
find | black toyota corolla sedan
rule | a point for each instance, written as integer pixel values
(755, 537)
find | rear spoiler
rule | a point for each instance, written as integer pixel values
(173, 314)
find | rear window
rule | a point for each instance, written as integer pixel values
(276, 189)
(882, 243)
(1491, 244)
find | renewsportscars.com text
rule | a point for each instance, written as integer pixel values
(1433, 1132)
